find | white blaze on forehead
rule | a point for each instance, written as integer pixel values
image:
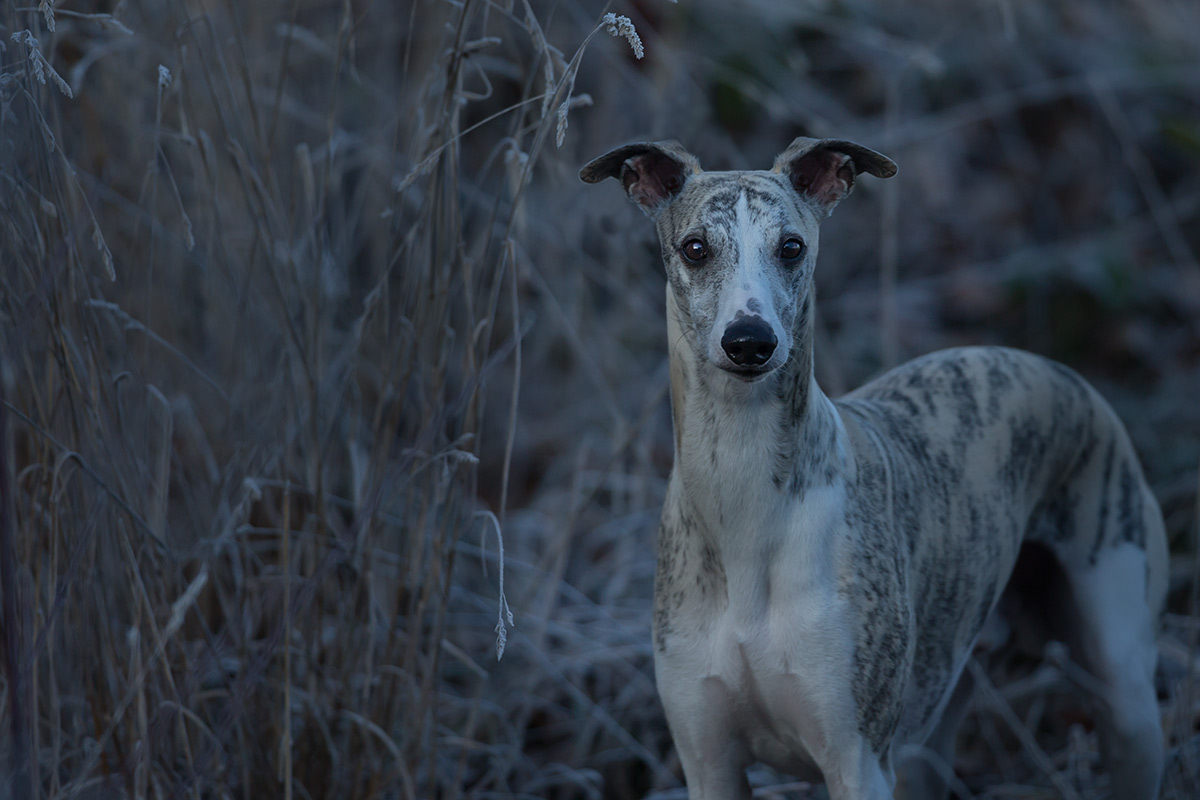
(747, 233)
(747, 287)
(750, 279)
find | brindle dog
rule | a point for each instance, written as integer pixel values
(826, 567)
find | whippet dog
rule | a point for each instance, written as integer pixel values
(826, 567)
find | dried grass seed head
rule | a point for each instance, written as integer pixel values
(622, 26)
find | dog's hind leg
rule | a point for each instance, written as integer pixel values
(1116, 645)
(1106, 531)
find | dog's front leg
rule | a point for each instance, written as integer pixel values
(720, 778)
(714, 766)
(712, 746)
(713, 757)
(854, 772)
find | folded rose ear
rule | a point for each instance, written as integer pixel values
(823, 170)
(653, 173)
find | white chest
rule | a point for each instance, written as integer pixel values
(769, 659)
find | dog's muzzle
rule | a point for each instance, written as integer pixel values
(749, 343)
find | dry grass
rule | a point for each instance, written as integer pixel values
(302, 305)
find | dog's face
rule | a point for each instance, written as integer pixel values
(739, 247)
(739, 250)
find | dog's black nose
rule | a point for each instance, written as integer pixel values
(749, 342)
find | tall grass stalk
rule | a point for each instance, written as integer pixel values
(244, 436)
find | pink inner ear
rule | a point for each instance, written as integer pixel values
(652, 178)
(824, 175)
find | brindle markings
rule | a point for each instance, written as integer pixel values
(883, 650)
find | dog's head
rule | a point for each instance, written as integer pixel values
(739, 247)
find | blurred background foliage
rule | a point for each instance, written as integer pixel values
(302, 302)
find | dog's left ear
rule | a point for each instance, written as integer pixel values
(823, 170)
(653, 173)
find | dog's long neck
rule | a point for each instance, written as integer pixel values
(746, 453)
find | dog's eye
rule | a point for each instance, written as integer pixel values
(694, 250)
(791, 249)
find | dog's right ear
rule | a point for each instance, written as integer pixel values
(653, 173)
